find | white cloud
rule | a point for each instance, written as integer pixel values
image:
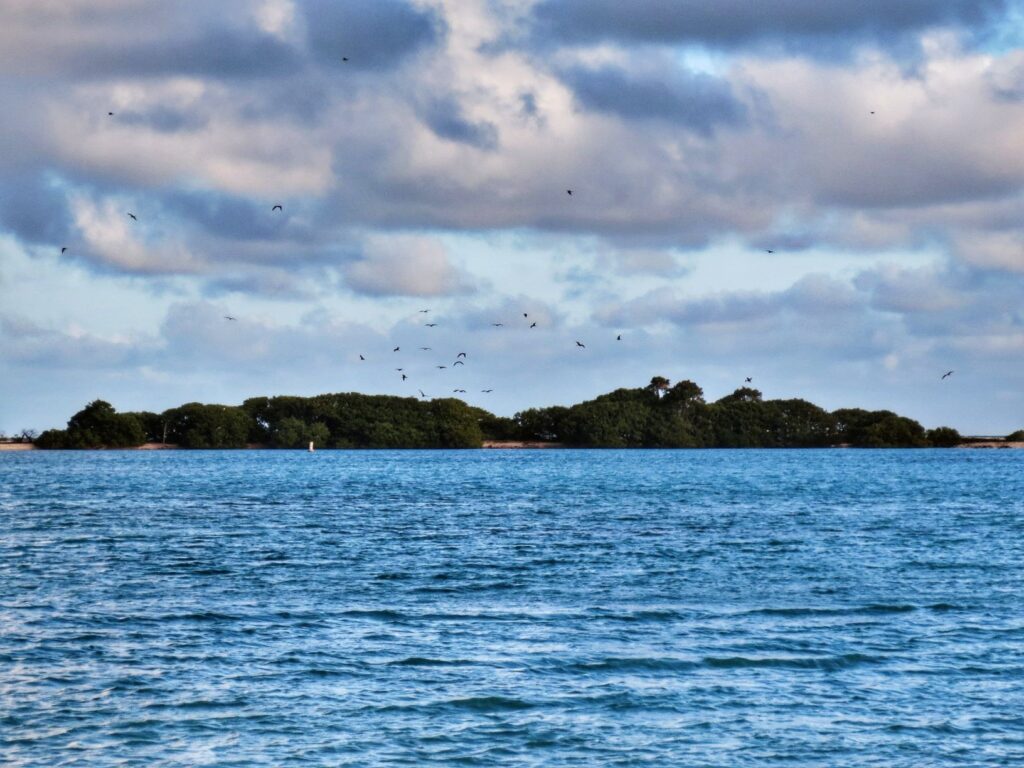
(405, 265)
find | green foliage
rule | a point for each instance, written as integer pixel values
(659, 415)
(944, 437)
(97, 425)
(195, 425)
(1015, 437)
(878, 429)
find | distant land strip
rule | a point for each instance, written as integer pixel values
(659, 415)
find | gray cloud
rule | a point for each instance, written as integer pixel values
(372, 34)
(692, 100)
(35, 208)
(444, 117)
(737, 22)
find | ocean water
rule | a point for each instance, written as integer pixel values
(555, 608)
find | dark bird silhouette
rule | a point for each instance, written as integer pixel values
(440, 367)
(362, 358)
(461, 354)
(422, 394)
(872, 111)
(947, 374)
(62, 250)
(533, 325)
(404, 377)
(619, 337)
(424, 311)
(525, 315)
(110, 114)
(344, 58)
(459, 390)
(581, 345)
(132, 217)
(497, 325)
(458, 362)
(568, 192)
(277, 208)
(229, 317)
(396, 349)
(425, 349)
(485, 391)
(431, 325)
(769, 250)
(399, 369)
(748, 380)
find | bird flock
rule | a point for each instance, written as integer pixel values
(461, 357)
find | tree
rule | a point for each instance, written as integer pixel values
(944, 437)
(97, 425)
(195, 425)
(658, 385)
(1015, 437)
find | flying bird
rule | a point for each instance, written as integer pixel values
(525, 315)
(461, 354)
(277, 208)
(947, 374)
(362, 358)
(440, 367)
(425, 349)
(399, 369)
(422, 394)
(497, 325)
(485, 391)
(430, 325)
(568, 192)
(132, 217)
(458, 362)
(110, 114)
(424, 311)
(581, 345)
(459, 390)
(769, 250)
(344, 58)
(62, 250)
(404, 377)
(396, 349)
(748, 380)
(229, 317)
(533, 325)
(619, 337)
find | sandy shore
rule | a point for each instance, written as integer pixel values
(530, 444)
(17, 447)
(991, 444)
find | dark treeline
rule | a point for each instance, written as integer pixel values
(659, 415)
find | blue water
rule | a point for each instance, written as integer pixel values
(706, 608)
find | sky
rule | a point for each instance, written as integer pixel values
(822, 195)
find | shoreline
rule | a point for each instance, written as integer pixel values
(501, 445)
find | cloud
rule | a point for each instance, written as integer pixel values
(372, 34)
(444, 117)
(696, 101)
(731, 23)
(405, 265)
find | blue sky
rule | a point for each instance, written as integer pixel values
(877, 148)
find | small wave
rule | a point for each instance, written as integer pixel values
(489, 704)
(860, 610)
(634, 665)
(376, 615)
(422, 661)
(826, 663)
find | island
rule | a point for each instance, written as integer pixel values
(659, 415)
